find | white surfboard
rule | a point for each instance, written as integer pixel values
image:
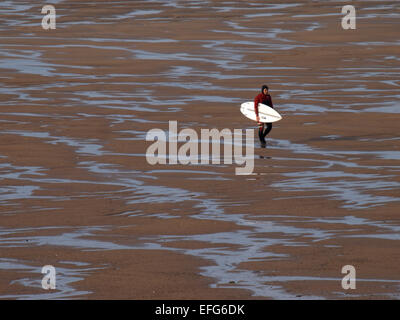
(266, 113)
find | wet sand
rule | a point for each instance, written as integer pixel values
(77, 192)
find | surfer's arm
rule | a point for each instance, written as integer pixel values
(270, 100)
(256, 101)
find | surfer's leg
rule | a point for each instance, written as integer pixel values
(261, 132)
(267, 129)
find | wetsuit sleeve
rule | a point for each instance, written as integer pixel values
(256, 101)
(271, 104)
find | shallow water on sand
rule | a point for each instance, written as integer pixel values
(77, 103)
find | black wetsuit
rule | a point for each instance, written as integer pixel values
(264, 128)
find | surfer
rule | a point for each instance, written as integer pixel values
(264, 98)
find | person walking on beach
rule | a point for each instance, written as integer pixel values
(264, 98)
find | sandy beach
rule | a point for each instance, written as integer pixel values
(77, 191)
